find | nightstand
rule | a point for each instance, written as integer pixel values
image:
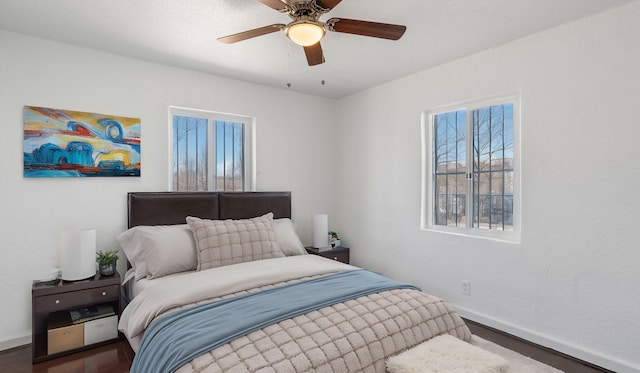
(339, 253)
(50, 303)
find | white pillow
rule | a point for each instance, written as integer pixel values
(160, 250)
(134, 252)
(287, 238)
(224, 242)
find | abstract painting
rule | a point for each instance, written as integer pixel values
(65, 143)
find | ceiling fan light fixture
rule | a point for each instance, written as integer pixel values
(305, 33)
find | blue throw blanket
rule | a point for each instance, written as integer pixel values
(179, 337)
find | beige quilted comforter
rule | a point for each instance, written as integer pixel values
(354, 336)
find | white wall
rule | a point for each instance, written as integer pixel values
(291, 152)
(573, 283)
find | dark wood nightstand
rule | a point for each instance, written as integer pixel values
(339, 253)
(63, 296)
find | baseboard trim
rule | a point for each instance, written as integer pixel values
(590, 357)
(15, 342)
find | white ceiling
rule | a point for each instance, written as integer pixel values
(184, 32)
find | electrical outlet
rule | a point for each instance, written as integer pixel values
(466, 287)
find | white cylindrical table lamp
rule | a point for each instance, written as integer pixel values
(78, 254)
(320, 231)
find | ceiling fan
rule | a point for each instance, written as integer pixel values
(306, 30)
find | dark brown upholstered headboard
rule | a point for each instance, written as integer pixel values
(167, 208)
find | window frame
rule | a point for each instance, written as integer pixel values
(249, 175)
(427, 221)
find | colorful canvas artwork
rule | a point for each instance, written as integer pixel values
(64, 143)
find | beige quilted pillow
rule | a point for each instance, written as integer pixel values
(224, 242)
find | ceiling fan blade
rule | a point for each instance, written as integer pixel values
(328, 4)
(366, 28)
(251, 33)
(314, 54)
(275, 4)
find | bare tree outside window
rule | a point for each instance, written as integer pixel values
(229, 155)
(450, 168)
(493, 167)
(190, 153)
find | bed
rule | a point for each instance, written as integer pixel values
(220, 282)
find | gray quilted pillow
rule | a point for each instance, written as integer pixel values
(224, 242)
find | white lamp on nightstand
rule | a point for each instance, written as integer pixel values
(320, 231)
(78, 254)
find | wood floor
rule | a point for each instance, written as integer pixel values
(117, 357)
(548, 356)
(111, 358)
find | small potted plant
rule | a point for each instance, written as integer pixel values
(107, 262)
(334, 239)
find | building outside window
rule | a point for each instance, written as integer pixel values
(471, 173)
(210, 151)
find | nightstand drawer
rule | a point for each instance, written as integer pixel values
(65, 338)
(339, 253)
(62, 301)
(100, 330)
(341, 257)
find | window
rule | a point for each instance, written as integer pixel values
(471, 169)
(210, 151)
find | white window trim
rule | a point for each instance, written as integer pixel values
(427, 205)
(249, 141)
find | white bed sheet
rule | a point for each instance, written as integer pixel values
(132, 287)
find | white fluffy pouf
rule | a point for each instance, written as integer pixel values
(446, 354)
